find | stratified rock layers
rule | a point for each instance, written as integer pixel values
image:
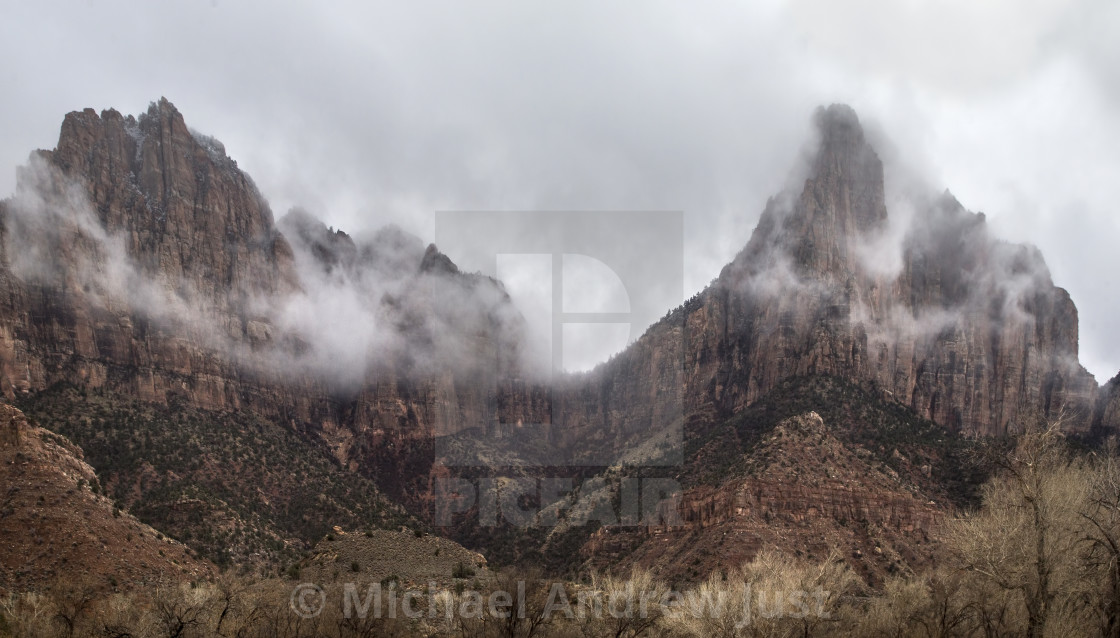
(966, 330)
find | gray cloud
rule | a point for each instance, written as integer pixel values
(357, 309)
(385, 113)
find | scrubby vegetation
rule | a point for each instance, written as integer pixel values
(1039, 557)
(234, 487)
(858, 415)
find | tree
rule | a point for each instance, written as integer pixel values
(1027, 536)
(621, 607)
(1102, 538)
(934, 605)
(773, 595)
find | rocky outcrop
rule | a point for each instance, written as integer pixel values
(801, 488)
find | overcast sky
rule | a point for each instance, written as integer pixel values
(374, 113)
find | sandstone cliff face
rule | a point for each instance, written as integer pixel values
(136, 257)
(965, 329)
(187, 214)
(1106, 419)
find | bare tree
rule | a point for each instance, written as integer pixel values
(73, 601)
(1026, 537)
(934, 605)
(621, 607)
(1102, 556)
(179, 609)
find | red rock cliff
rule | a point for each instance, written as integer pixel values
(967, 330)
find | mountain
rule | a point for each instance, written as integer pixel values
(58, 530)
(138, 259)
(153, 310)
(963, 328)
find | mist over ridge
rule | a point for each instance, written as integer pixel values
(844, 275)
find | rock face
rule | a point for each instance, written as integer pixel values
(965, 329)
(137, 257)
(118, 243)
(187, 214)
(1106, 419)
(55, 530)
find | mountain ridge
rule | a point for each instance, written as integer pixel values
(970, 331)
(138, 261)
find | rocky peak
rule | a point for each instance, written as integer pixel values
(331, 248)
(813, 231)
(184, 210)
(437, 262)
(841, 137)
(844, 191)
(966, 329)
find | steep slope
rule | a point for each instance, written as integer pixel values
(1106, 419)
(137, 259)
(237, 488)
(965, 329)
(799, 488)
(57, 529)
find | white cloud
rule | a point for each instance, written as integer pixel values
(370, 113)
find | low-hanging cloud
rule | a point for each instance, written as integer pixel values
(927, 272)
(361, 308)
(375, 113)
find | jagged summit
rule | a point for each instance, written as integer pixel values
(435, 261)
(145, 221)
(838, 126)
(966, 329)
(814, 226)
